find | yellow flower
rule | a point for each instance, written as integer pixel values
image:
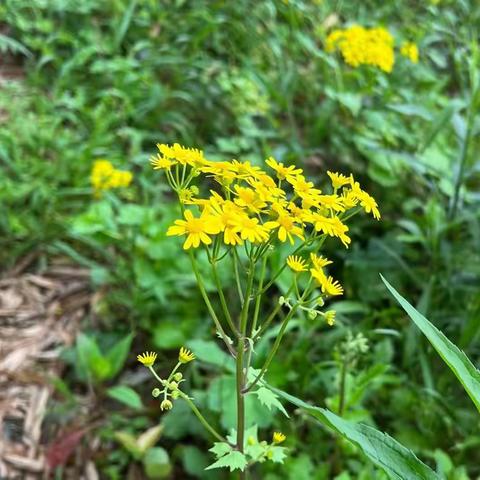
(278, 437)
(338, 180)
(286, 227)
(363, 46)
(147, 358)
(183, 155)
(185, 356)
(297, 264)
(196, 229)
(228, 215)
(159, 162)
(409, 50)
(244, 169)
(303, 188)
(366, 201)
(327, 284)
(105, 176)
(331, 202)
(318, 261)
(283, 172)
(248, 198)
(250, 229)
(331, 226)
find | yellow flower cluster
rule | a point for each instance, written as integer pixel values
(409, 50)
(363, 46)
(105, 176)
(317, 263)
(253, 206)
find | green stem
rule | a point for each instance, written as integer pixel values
(240, 377)
(343, 378)
(223, 301)
(237, 274)
(209, 305)
(202, 419)
(274, 349)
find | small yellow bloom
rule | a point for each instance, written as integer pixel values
(250, 229)
(166, 405)
(283, 172)
(185, 356)
(286, 227)
(278, 437)
(296, 263)
(328, 285)
(196, 229)
(159, 162)
(105, 176)
(318, 261)
(147, 358)
(409, 50)
(338, 180)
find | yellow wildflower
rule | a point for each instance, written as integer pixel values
(248, 198)
(282, 171)
(278, 437)
(250, 229)
(297, 264)
(318, 261)
(147, 358)
(196, 229)
(183, 155)
(185, 356)
(105, 176)
(338, 180)
(159, 162)
(331, 202)
(286, 227)
(332, 226)
(327, 284)
(409, 50)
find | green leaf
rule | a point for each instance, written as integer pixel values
(149, 438)
(277, 454)
(458, 362)
(397, 461)
(210, 352)
(157, 463)
(234, 460)
(91, 362)
(117, 355)
(129, 443)
(269, 399)
(220, 449)
(126, 395)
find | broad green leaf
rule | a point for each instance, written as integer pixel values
(126, 395)
(129, 442)
(149, 438)
(269, 399)
(210, 352)
(91, 362)
(234, 460)
(397, 461)
(157, 463)
(117, 355)
(277, 454)
(458, 362)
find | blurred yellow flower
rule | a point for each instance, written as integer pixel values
(278, 437)
(105, 176)
(410, 50)
(185, 356)
(147, 358)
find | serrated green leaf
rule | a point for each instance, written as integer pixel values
(277, 454)
(269, 399)
(458, 362)
(220, 449)
(234, 460)
(126, 395)
(397, 461)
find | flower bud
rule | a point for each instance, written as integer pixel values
(156, 392)
(320, 302)
(178, 376)
(281, 300)
(173, 386)
(312, 314)
(251, 440)
(194, 189)
(166, 405)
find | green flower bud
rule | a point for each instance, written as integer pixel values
(281, 300)
(175, 394)
(178, 376)
(312, 314)
(173, 386)
(166, 405)
(156, 392)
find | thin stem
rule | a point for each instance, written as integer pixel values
(343, 378)
(274, 349)
(237, 274)
(209, 305)
(202, 419)
(223, 301)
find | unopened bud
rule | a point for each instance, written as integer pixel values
(173, 386)
(281, 300)
(312, 314)
(320, 302)
(156, 392)
(166, 405)
(175, 394)
(178, 376)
